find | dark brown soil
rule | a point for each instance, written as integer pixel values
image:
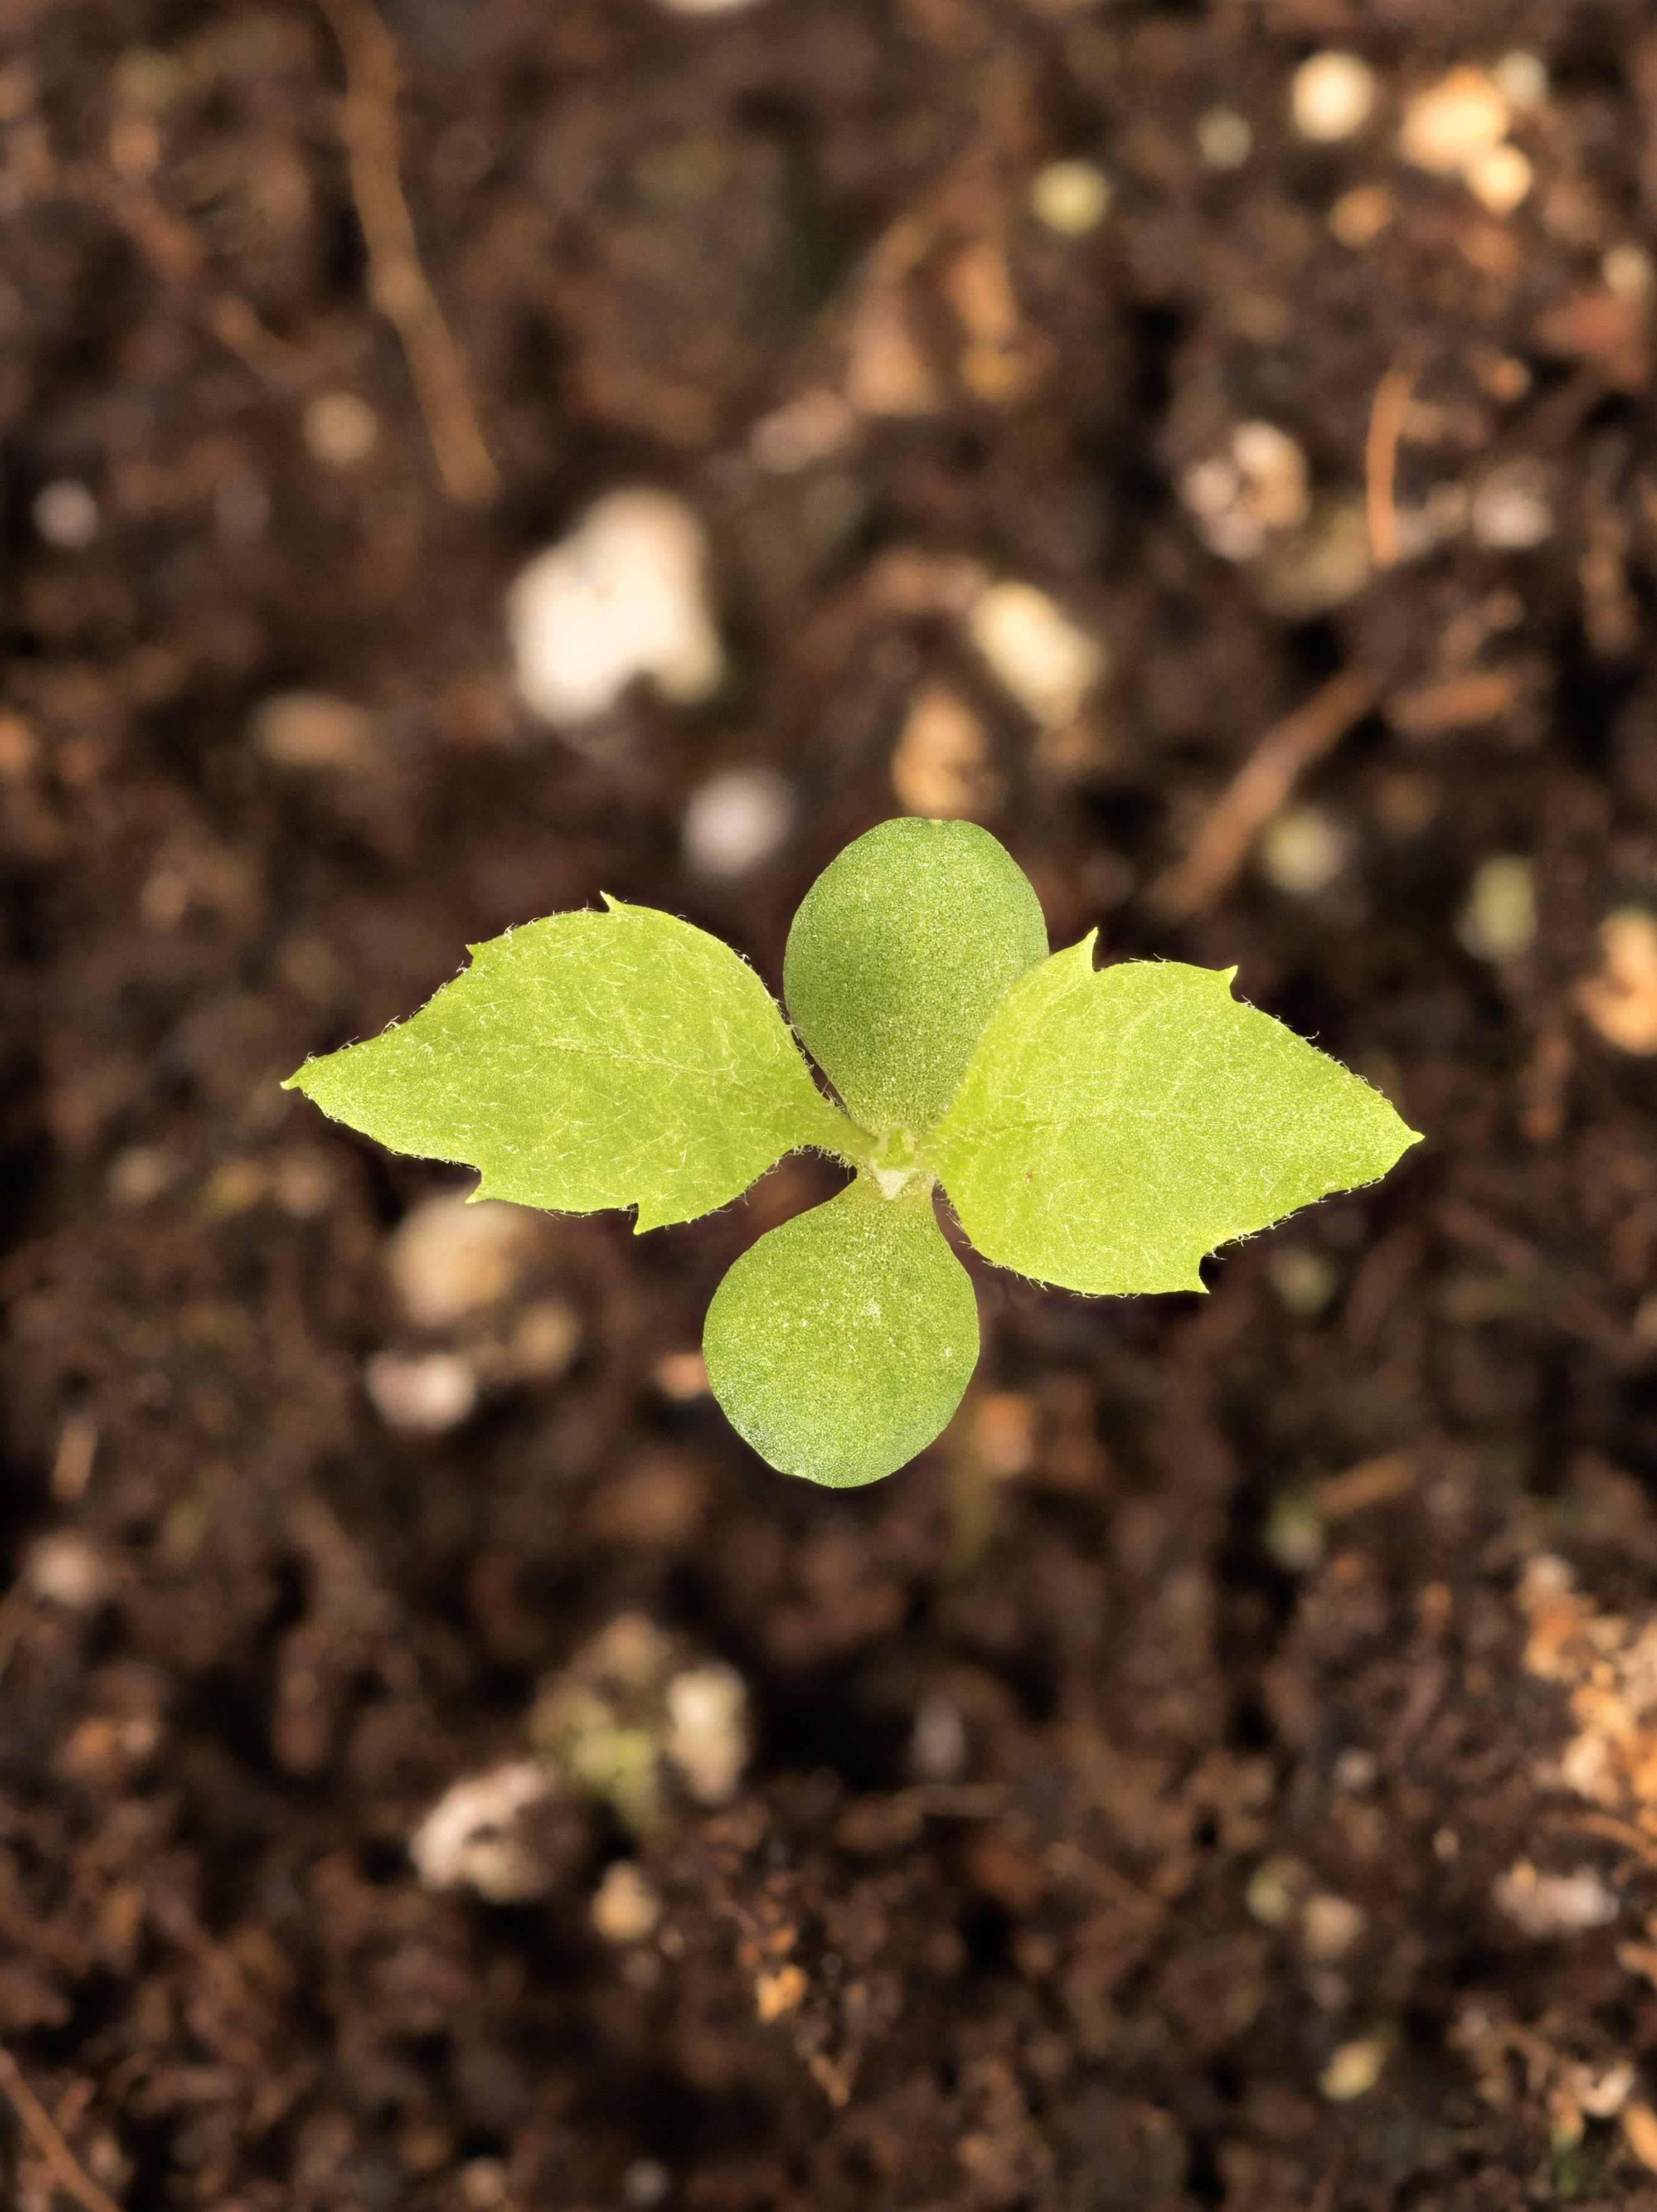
(1153, 1800)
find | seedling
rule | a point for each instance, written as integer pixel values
(1099, 1129)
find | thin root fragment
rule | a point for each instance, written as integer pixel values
(397, 280)
(1259, 788)
(43, 2132)
(1387, 412)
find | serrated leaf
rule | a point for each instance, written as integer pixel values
(900, 952)
(1115, 1126)
(590, 1059)
(841, 1344)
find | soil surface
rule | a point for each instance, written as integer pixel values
(1223, 1772)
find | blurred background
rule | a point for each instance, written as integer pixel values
(466, 457)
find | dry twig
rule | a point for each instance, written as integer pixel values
(235, 325)
(1371, 1482)
(1259, 788)
(1387, 413)
(177, 258)
(1617, 1832)
(397, 282)
(44, 2134)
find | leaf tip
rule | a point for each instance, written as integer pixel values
(653, 1213)
(298, 1080)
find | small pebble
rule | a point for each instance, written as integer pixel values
(312, 730)
(778, 1994)
(1332, 95)
(1354, 2071)
(645, 2184)
(657, 1503)
(545, 1341)
(103, 1749)
(1331, 1925)
(451, 1257)
(340, 429)
(303, 1183)
(1511, 511)
(1355, 1769)
(1358, 217)
(681, 1377)
(235, 1188)
(484, 2186)
(1504, 378)
(66, 1569)
(166, 899)
(1071, 197)
(1224, 138)
(1629, 272)
(1521, 79)
(1304, 1280)
(1621, 1000)
(1498, 921)
(1041, 657)
(625, 1908)
(736, 819)
(940, 766)
(20, 749)
(1274, 467)
(1293, 1532)
(624, 596)
(426, 1394)
(1003, 1433)
(1450, 124)
(1240, 498)
(1544, 1906)
(707, 1730)
(1501, 179)
(467, 1840)
(140, 1174)
(1603, 2096)
(66, 515)
(1302, 851)
(938, 1749)
(1275, 1891)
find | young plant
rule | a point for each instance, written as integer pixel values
(1099, 1129)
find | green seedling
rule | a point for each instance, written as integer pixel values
(1101, 1129)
